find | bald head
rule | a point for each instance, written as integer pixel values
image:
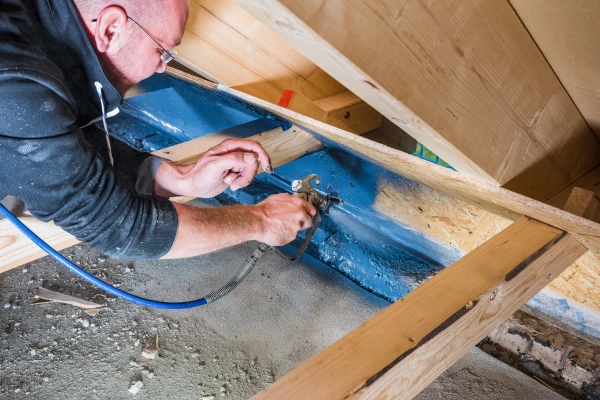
(128, 54)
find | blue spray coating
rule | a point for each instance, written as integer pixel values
(171, 111)
(580, 317)
(374, 251)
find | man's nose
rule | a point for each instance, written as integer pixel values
(161, 68)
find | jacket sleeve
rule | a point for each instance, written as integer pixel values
(46, 161)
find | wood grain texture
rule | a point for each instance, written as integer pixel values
(469, 189)
(568, 34)
(463, 78)
(282, 146)
(16, 249)
(348, 107)
(402, 349)
(227, 44)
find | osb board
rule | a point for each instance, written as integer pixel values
(568, 34)
(466, 227)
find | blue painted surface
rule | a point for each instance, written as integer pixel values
(581, 318)
(374, 251)
(172, 111)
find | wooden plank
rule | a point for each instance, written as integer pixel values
(590, 181)
(16, 249)
(282, 146)
(348, 107)
(568, 34)
(227, 44)
(402, 349)
(469, 189)
(463, 78)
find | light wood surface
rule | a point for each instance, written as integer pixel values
(227, 44)
(454, 184)
(568, 34)
(16, 249)
(402, 349)
(348, 107)
(282, 146)
(463, 78)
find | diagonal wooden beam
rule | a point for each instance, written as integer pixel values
(402, 349)
(464, 187)
(462, 77)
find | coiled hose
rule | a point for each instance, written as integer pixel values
(214, 296)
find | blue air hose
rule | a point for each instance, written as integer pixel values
(214, 296)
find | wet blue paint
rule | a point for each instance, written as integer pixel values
(580, 317)
(171, 111)
(381, 255)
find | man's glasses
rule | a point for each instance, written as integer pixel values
(165, 55)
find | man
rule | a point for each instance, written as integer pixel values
(64, 63)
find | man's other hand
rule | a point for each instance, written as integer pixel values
(232, 163)
(283, 216)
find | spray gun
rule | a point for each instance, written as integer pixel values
(304, 189)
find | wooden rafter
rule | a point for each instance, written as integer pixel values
(464, 78)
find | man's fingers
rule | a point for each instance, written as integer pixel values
(233, 145)
(236, 161)
(310, 209)
(231, 177)
(244, 177)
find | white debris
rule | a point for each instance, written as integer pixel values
(150, 375)
(135, 388)
(209, 397)
(151, 350)
(127, 269)
(46, 379)
(32, 352)
(85, 323)
(24, 270)
(7, 305)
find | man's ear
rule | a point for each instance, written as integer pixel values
(111, 31)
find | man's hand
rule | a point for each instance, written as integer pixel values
(283, 216)
(232, 163)
(276, 221)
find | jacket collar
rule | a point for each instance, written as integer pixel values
(65, 41)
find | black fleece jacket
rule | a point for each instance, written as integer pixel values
(48, 68)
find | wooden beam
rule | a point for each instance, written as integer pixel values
(405, 347)
(463, 78)
(568, 34)
(348, 107)
(454, 184)
(16, 249)
(225, 43)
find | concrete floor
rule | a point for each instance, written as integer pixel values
(281, 315)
